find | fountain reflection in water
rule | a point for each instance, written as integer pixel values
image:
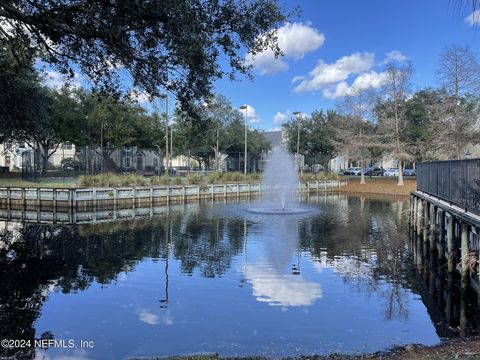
(279, 186)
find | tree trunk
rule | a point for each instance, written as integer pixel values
(326, 160)
(44, 160)
(362, 172)
(400, 173)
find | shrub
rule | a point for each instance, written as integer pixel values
(215, 177)
(85, 181)
(307, 177)
(254, 177)
(164, 180)
(154, 180)
(233, 177)
(195, 179)
(177, 180)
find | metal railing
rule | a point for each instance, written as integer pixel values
(454, 181)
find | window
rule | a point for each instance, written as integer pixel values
(127, 161)
(67, 146)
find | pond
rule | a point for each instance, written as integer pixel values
(216, 278)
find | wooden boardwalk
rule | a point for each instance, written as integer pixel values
(446, 231)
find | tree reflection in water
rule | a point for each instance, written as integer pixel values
(363, 241)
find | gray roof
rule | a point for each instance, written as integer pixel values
(274, 137)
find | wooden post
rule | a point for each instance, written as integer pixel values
(212, 190)
(54, 199)
(184, 195)
(94, 199)
(224, 191)
(478, 273)
(70, 198)
(114, 199)
(238, 191)
(318, 193)
(432, 227)
(465, 233)
(8, 198)
(24, 200)
(151, 195)
(74, 199)
(441, 234)
(134, 197)
(419, 216)
(450, 244)
(414, 212)
(425, 221)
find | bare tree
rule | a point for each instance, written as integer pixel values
(459, 75)
(392, 121)
(355, 132)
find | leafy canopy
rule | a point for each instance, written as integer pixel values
(161, 44)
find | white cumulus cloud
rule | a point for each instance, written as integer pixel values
(297, 78)
(252, 115)
(324, 75)
(370, 80)
(473, 19)
(139, 96)
(279, 118)
(55, 80)
(282, 290)
(294, 40)
(395, 55)
(148, 317)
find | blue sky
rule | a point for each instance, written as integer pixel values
(334, 47)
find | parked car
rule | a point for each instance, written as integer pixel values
(391, 172)
(128, 170)
(409, 172)
(353, 171)
(149, 171)
(375, 171)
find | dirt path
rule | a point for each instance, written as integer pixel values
(380, 185)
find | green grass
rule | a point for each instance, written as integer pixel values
(46, 183)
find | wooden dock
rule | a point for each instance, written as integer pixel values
(448, 232)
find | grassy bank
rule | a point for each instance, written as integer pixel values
(46, 183)
(380, 185)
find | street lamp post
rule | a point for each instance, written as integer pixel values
(171, 146)
(244, 107)
(297, 115)
(166, 135)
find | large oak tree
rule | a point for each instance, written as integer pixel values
(173, 45)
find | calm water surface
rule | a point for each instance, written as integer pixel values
(216, 278)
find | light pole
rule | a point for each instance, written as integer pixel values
(101, 145)
(171, 146)
(245, 107)
(166, 135)
(297, 115)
